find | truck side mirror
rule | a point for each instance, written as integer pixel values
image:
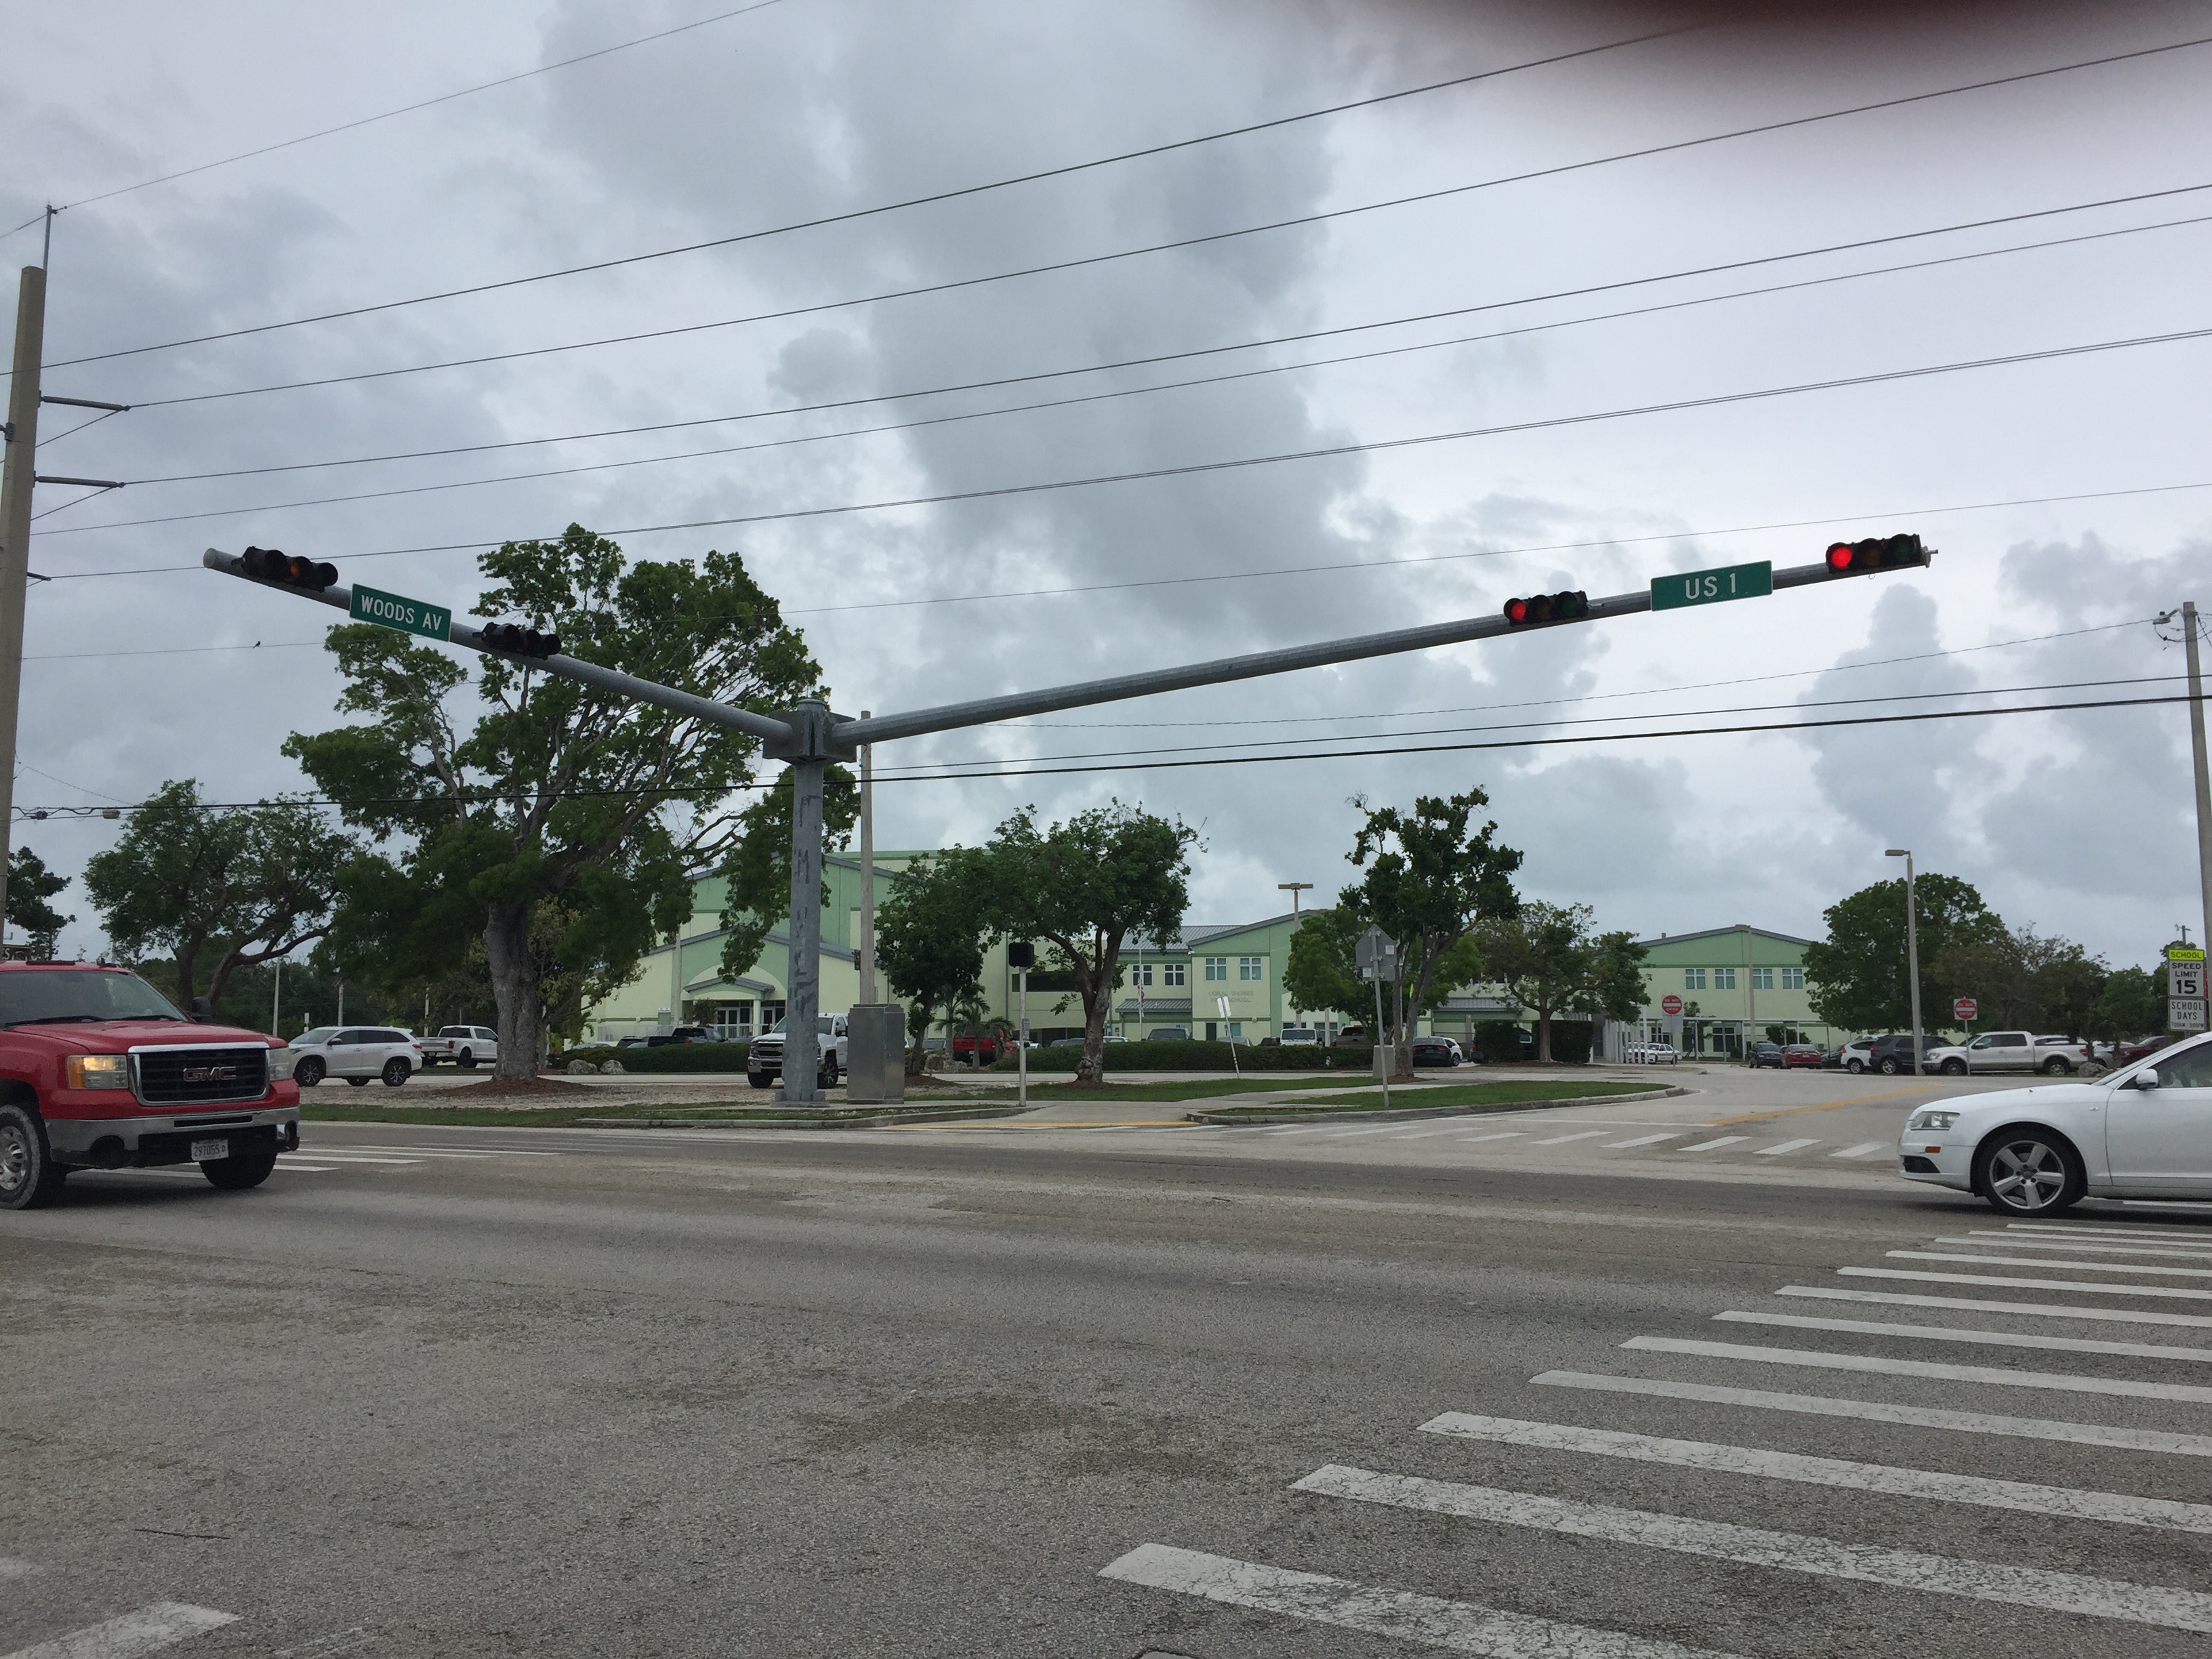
(202, 1012)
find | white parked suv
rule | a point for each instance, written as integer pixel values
(464, 1045)
(2011, 1051)
(358, 1054)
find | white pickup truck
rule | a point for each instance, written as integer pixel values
(462, 1045)
(2011, 1051)
(764, 1060)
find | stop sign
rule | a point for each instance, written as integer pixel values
(1671, 1004)
(1964, 1009)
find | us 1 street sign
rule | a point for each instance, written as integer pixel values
(1730, 581)
(372, 604)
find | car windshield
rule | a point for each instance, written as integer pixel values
(320, 1034)
(63, 996)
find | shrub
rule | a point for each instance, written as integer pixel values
(1571, 1041)
(669, 1057)
(1193, 1054)
(1498, 1042)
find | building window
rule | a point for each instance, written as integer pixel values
(1140, 973)
(1693, 979)
(1217, 968)
(1762, 978)
(1725, 979)
(1175, 973)
(1793, 979)
(1250, 967)
(1236, 1030)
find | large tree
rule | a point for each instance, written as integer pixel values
(2020, 978)
(31, 889)
(1082, 888)
(556, 823)
(1430, 878)
(1549, 958)
(217, 889)
(2131, 1004)
(930, 934)
(1857, 977)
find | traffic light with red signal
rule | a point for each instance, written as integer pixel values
(517, 640)
(1570, 606)
(1876, 553)
(268, 564)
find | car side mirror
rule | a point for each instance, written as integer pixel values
(2146, 1078)
(202, 1012)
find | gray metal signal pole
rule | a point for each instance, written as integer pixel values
(17, 476)
(810, 737)
(1911, 951)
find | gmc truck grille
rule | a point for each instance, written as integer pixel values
(191, 1077)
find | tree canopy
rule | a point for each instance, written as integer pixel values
(1549, 958)
(558, 824)
(31, 889)
(1857, 977)
(930, 934)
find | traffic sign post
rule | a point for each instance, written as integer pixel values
(370, 604)
(1729, 581)
(1376, 956)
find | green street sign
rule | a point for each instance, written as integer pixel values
(1730, 581)
(432, 622)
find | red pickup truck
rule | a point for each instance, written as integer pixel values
(100, 1071)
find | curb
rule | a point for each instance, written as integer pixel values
(1224, 1122)
(877, 1122)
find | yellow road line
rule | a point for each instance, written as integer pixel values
(1820, 1106)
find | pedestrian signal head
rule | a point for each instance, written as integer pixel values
(1876, 553)
(519, 642)
(1570, 606)
(267, 564)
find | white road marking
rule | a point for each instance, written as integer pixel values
(1431, 1134)
(1346, 1134)
(1503, 1134)
(2144, 1229)
(2181, 1252)
(1992, 1375)
(12, 1568)
(1561, 1140)
(1992, 1338)
(1826, 1558)
(1708, 1145)
(288, 1165)
(1458, 1626)
(349, 1158)
(1784, 1146)
(2039, 1261)
(147, 1631)
(1315, 1130)
(1967, 1304)
(2065, 1501)
(424, 1151)
(2075, 1285)
(1865, 1149)
(1641, 1141)
(1921, 1417)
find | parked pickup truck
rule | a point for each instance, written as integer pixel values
(461, 1045)
(764, 1060)
(100, 1071)
(2011, 1051)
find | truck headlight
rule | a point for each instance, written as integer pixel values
(281, 1062)
(1930, 1120)
(97, 1071)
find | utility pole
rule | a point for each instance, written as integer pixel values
(2196, 755)
(17, 476)
(1911, 951)
(868, 941)
(277, 1002)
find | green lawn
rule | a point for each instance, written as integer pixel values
(556, 1117)
(1202, 1089)
(1506, 1095)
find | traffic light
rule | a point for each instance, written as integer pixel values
(519, 642)
(1876, 553)
(267, 564)
(1573, 606)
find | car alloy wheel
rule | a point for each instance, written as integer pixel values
(1888, 1068)
(395, 1072)
(1954, 1068)
(2054, 1066)
(2024, 1174)
(1854, 1067)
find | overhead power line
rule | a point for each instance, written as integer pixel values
(1557, 170)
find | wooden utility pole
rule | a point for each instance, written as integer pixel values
(16, 478)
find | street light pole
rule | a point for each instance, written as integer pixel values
(18, 472)
(868, 941)
(2196, 755)
(1912, 949)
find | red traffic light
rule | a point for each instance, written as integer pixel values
(1573, 605)
(268, 564)
(519, 642)
(1877, 553)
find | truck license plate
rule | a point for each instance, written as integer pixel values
(205, 1152)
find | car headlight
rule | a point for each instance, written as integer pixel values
(1931, 1120)
(98, 1070)
(281, 1062)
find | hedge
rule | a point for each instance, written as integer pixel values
(669, 1057)
(1195, 1055)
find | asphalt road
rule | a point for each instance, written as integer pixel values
(1061, 1388)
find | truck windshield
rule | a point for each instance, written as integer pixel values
(61, 996)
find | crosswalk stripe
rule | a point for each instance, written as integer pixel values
(2039, 1261)
(1503, 1134)
(1873, 1411)
(1431, 1134)
(148, 1630)
(353, 1157)
(2182, 1252)
(1643, 1140)
(289, 1166)
(2140, 1229)
(1969, 1304)
(2075, 1285)
(1784, 1146)
(2063, 1501)
(1708, 1145)
(1346, 1134)
(1991, 1375)
(1865, 1148)
(1991, 1339)
(1826, 1558)
(1580, 1134)
(1458, 1626)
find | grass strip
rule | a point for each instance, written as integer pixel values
(1476, 1094)
(560, 1117)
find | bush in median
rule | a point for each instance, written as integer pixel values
(1194, 1055)
(669, 1057)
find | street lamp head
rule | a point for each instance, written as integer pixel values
(1898, 853)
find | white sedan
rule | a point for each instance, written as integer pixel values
(2142, 1132)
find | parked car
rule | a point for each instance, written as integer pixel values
(2011, 1051)
(1352, 1037)
(359, 1053)
(764, 1060)
(1294, 1035)
(1856, 1056)
(1766, 1053)
(1651, 1054)
(1803, 1057)
(1436, 1051)
(462, 1045)
(2142, 1132)
(2126, 1053)
(1169, 1034)
(981, 1049)
(1892, 1053)
(683, 1034)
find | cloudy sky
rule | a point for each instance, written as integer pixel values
(2069, 496)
